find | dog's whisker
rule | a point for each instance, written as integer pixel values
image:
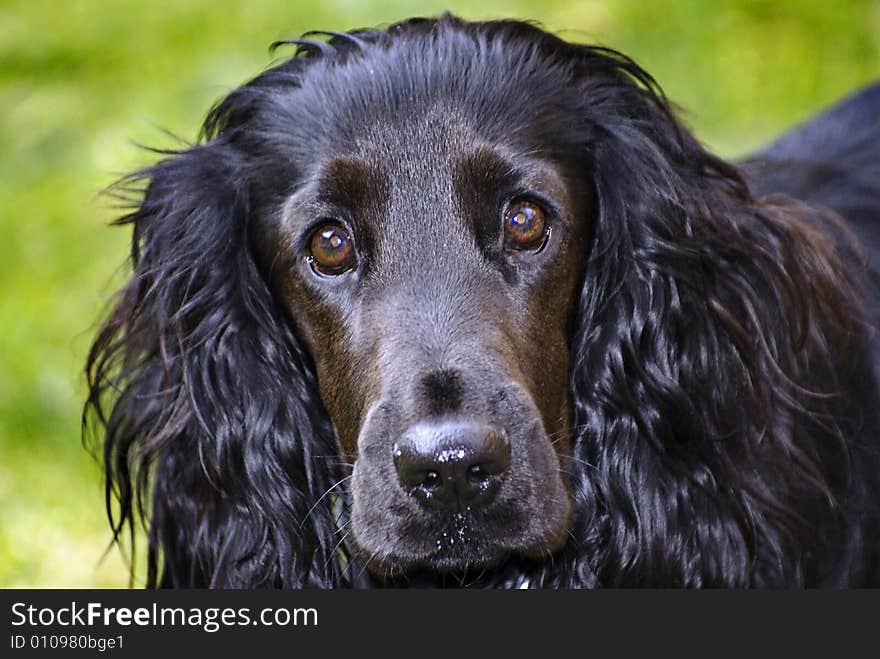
(321, 498)
(332, 556)
(577, 460)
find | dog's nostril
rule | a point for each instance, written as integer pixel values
(431, 480)
(451, 463)
(477, 474)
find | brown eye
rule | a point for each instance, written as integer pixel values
(331, 251)
(525, 225)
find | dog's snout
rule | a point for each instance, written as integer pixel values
(451, 464)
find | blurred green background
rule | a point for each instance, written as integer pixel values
(81, 82)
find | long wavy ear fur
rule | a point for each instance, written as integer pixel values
(719, 366)
(214, 434)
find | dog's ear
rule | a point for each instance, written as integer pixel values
(714, 341)
(213, 432)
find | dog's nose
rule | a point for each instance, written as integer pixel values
(451, 464)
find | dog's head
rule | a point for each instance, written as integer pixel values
(403, 268)
(429, 257)
(427, 251)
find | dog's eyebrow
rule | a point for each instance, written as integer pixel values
(351, 181)
(485, 163)
(505, 164)
(342, 182)
(503, 169)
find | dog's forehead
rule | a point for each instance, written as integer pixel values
(419, 135)
(417, 163)
(417, 157)
(435, 182)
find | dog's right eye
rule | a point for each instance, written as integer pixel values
(331, 250)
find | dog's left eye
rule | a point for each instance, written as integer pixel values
(525, 226)
(331, 250)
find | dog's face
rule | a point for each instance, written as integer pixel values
(429, 261)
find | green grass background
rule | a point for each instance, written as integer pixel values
(81, 82)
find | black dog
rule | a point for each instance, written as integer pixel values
(462, 303)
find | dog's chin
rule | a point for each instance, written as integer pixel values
(393, 563)
(464, 557)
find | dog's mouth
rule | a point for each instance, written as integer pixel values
(450, 567)
(456, 547)
(462, 550)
